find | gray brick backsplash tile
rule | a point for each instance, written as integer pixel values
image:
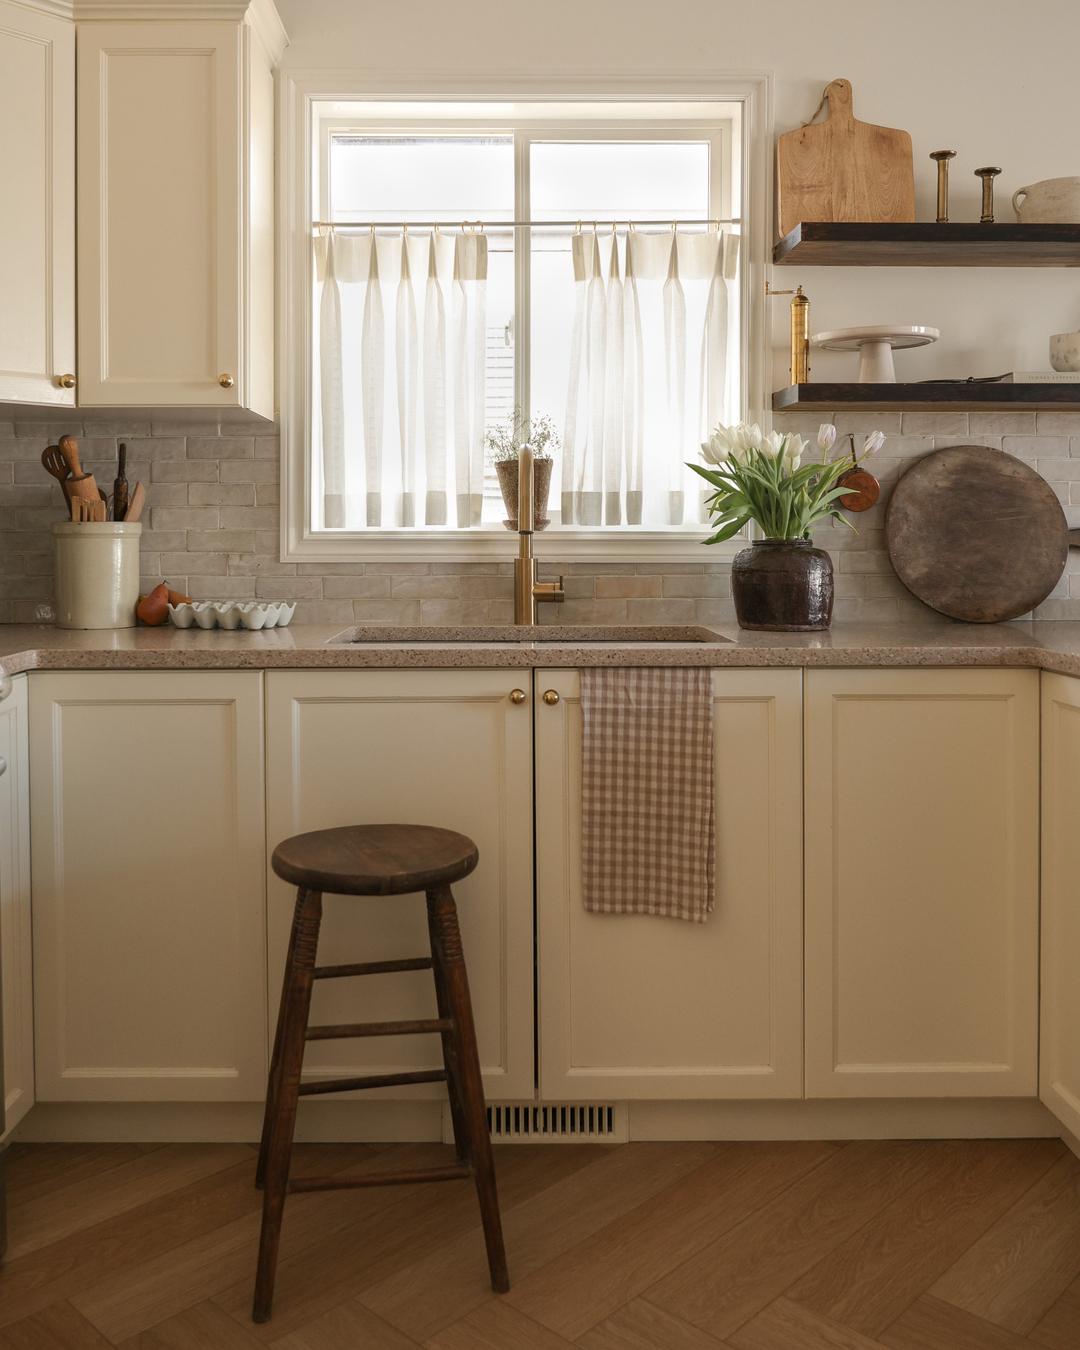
(221, 447)
(212, 528)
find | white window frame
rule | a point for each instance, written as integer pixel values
(299, 92)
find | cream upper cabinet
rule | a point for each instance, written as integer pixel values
(149, 886)
(1059, 1076)
(424, 747)
(922, 882)
(636, 1006)
(17, 972)
(176, 249)
(37, 205)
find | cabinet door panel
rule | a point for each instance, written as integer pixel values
(922, 880)
(149, 885)
(160, 194)
(15, 950)
(37, 205)
(1059, 1077)
(444, 748)
(635, 1006)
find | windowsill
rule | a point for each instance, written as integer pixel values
(554, 545)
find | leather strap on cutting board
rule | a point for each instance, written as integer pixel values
(844, 169)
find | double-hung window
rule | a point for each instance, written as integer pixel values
(483, 274)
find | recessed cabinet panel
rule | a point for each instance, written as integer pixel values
(37, 205)
(444, 748)
(149, 943)
(922, 882)
(1059, 1078)
(636, 1006)
(15, 920)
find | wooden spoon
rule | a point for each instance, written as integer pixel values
(55, 463)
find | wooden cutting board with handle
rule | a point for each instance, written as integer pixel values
(843, 169)
(977, 534)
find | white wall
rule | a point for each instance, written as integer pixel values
(991, 79)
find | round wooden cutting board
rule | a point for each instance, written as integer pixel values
(976, 534)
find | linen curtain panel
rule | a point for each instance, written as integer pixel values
(649, 373)
(402, 344)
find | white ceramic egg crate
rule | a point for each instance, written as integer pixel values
(232, 614)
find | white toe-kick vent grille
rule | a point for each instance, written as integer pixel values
(551, 1123)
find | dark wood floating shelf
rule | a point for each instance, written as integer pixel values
(855, 244)
(927, 397)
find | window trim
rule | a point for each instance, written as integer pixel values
(298, 93)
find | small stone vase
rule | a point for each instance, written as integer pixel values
(782, 586)
(507, 469)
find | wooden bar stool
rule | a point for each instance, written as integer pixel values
(375, 860)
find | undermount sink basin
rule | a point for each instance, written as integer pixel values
(570, 635)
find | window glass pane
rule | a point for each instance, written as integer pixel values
(392, 180)
(621, 181)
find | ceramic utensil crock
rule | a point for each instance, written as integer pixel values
(97, 574)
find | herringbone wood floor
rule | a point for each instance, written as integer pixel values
(970, 1245)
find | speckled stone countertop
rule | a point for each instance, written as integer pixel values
(1045, 645)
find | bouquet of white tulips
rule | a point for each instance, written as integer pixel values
(762, 478)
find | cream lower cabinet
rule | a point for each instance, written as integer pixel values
(426, 747)
(922, 883)
(634, 1006)
(15, 919)
(148, 869)
(37, 151)
(1059, 1076)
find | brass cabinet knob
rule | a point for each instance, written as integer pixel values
(517, 695)
(67, 381)
(551, 698)
(226, 381)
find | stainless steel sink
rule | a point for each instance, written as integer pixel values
(553, 635)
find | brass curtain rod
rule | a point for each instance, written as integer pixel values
(510, 224)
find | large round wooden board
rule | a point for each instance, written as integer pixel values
(976, 534)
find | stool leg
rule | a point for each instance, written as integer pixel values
(449, 1046)
(291, 1056)
(450, 961)
(273, 1082)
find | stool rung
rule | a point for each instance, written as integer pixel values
(373, 1081)
(346, 1030)
(456, 1173)
(371, 968)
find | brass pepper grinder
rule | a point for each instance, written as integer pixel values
(942, 157)
(800, 333)
(987, 176)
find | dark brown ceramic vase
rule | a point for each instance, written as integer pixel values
(783, 586)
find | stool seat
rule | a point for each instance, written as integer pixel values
(375, 859)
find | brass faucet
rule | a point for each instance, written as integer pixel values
(527, 590)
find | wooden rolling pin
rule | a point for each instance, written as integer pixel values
(79, 484)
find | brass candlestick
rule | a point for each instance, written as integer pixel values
(942, 157)
(800, 333)
(987, 176)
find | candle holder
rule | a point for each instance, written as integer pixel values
(942, 157)
(987, 176)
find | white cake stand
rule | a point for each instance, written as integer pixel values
(875, 347)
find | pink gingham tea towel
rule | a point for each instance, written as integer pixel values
(648, 833)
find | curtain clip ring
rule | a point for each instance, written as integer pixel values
(578, 229)
(481, 229)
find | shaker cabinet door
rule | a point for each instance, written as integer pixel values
(37, 151)
(637, 1006)
(149, 889)
(175, 226)
(423, 747)
(1059, 1075)
(16, 973)
(922, 883)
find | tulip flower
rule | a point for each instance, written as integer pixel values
(873, 442)
(826, 437)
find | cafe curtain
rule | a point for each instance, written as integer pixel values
(401, 338)
(648, 373)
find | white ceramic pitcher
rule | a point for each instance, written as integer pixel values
(1054, 201)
